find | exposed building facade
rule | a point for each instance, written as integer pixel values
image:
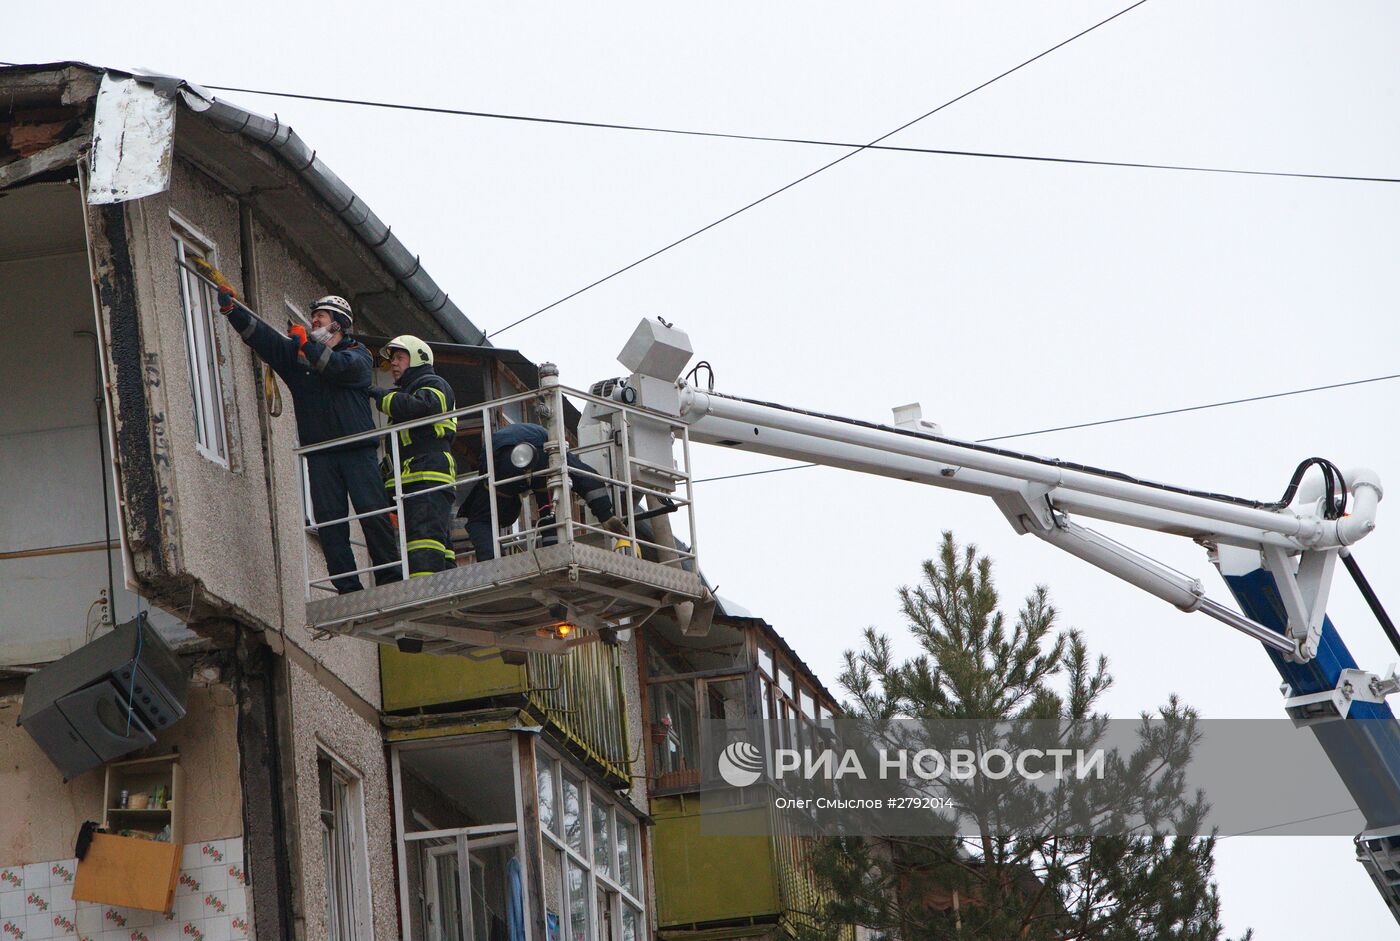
(329, 787)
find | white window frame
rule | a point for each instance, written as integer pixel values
(360, 902)
(555, 842)
(466, 838)
(202, 345)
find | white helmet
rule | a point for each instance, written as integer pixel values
(339, 309)
(419, 354)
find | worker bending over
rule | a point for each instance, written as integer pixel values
(327, 372)
(425, 451)
(519, 450)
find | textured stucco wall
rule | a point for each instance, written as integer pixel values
(224, 540)
(283, 277)
(223, 517)
(51, 812)
(320, 720)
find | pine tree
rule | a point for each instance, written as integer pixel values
(1021, 874)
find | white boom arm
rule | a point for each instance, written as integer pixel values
(1037, 495)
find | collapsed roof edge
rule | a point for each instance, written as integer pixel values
(406, 268)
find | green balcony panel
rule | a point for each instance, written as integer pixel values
(416, 681)
(703, 879)
(577, 696)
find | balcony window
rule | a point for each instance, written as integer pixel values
(600, 886)
(459, 830)
(673, 728)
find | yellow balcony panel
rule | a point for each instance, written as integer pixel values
(702, 879)
(415, 681)
(577, 696)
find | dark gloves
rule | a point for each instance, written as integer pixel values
(226, 299)
(297, 332)
(376, 393)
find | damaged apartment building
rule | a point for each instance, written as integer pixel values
(235, 766)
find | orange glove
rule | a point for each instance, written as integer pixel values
(226, 299)
(298, 332)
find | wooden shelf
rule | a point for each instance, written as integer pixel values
(133, 871)
(142, 776)
(138, 810)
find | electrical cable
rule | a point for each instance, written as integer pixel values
(693, 375)
(135, 665)
(1108, 421)
(821, 169)
(1372, 601)
(806, 141)
(1285, 823)
(1190, 408)
(102, 468)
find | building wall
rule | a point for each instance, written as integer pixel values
(238, 528)
(321, 720)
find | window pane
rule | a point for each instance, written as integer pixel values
(544, 780)
(627, 854)
(785, 680)
(631, 919)
(578, 903)
(602, 838)
(458, 784)
(809, 705)
(765, 659)
(197, 303)
(605, 912)
(573, 814)
(673, 726)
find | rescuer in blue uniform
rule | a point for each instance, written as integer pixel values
(519, 449)
(425, 452)
(328, 373)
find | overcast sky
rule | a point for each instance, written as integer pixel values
(1005, 296)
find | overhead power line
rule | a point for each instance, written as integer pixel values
(811, 141)
(807, 141)
(1105, 421)
(807, 176)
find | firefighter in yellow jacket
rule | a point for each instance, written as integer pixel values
(425, 451)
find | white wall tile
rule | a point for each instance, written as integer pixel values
(38, 928)
(237, 897)
(189, 907)
(217, 929)
(215, 878)
(61, 898)
(61, 872)
(190, 857)
(88, 918)
(164, 931)
(188, 883)
(36, 901)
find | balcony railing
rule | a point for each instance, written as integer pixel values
(546, 571)
(579, 698)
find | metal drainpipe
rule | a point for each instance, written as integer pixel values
(282, 741)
